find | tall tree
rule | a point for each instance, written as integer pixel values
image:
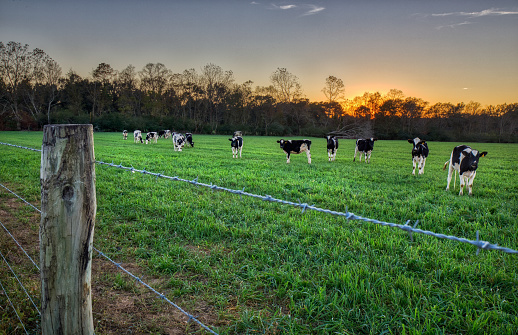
(286, 84)
(334, 89)
(19, 66)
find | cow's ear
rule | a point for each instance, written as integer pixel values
(230, 139)
(375, 139)
(483, 154)
(422, 142)
(278, 141)
(410, 141)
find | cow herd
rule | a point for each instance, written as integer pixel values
(463, 159)
(179, 140)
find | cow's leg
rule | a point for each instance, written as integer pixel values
(470, 183)
(413, 165)
(355, 152)
(462, 181)
(421, 169)
(309, 156)
(450, 173)
(288, 158)
(369, 154)
(240, 150)
(329, 154)
(334, 154)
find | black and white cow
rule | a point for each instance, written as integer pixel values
(295, 147)
(188, 138)
(236, 143)
(419, 154)
(332, 146)
(164, 134)
(464, 160)
(137, 136)
(152, 136)
(364, 146)
(124, 134)
(178, 141)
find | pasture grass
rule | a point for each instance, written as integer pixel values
(269, 268)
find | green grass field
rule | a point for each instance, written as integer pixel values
(268, 268)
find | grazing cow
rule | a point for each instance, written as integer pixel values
(188, 138)
(295, 147)
(124, 134)
(178, 141)
(137, 136)
(152, 136)
(464, 160)
(332, 146)
(419, 154)
(164, 134)
(364, 146)
(237, 145)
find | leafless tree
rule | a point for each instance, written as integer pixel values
(334, 89)
(286, 85)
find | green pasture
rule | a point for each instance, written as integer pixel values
(267, 268)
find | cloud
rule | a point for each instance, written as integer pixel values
(254, 3)
(486, 12)
(308, 9)
(469, 16)
(314, 9)
(454, 25)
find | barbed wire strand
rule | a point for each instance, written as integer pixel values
(19, 282)
(348, 215)
(160, 295)
(8, 232)
(12, 305)
(22, 199)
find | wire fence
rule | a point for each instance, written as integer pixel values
(410, 229)
(159, 295)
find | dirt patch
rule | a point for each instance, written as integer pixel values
(120, 304)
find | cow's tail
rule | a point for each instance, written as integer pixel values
(444, 167)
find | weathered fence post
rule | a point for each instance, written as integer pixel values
(68, 208)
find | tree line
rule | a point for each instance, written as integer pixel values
(35, 92)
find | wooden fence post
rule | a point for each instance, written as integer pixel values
(68, 209)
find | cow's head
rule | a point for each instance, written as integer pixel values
(472, 158)
(330, 138)
(281, 142)
(416, 141)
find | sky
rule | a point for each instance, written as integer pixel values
(440, 51)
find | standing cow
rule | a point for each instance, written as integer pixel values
(237, 145)
(151, 137)
(332, 146)
(295, 147)
(164, 133)
(137, 136)
(464, 160)
(188, 138)
(124, 134)
(364, 146)
(178, 141)
(419, 154)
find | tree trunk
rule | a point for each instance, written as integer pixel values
(68, 205)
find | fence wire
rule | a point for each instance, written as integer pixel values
(19, 282)
(14, 308)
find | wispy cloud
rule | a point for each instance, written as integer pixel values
(306, 9)
(313, 10)
(469, 16)
(486, 12)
